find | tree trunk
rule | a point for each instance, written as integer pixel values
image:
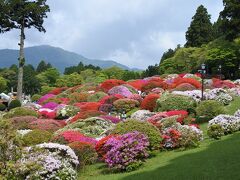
(21, 64)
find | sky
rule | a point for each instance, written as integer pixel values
(132, 32)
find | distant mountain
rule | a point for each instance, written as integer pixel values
(58, 57)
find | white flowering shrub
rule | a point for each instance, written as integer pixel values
(24, 131)
(228, 123)
(142, 115)
(48, 161)
(237, 82)
(219, 95)
(234, 91)
(237, 113)
(195, 94)
(67, 111)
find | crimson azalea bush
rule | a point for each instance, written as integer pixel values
(193, 82)
(127, 152)
(57, 91)
(110, 83)
(149, 102)
(110, 99)
(70, 136)
(88, 106)
(171, 138)
(47, 114)
(137, 84)
(180, 113)
(85, 152)
(184, 87)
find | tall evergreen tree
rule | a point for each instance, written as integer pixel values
(231, 18)
(43, 66)
(201, 30)
(22, 14)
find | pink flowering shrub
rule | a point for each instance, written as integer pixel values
(45, 97)
(127, 152)
(50, 105)
(122, 90)
(113, 119)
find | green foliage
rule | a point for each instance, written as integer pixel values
(125, 104)
(215, 131)
(48, 77)
(13, 104)
(46, 89)
(200, 31)
(209, 109)
(79, 68)
(20, 111)
(69, 80)
(36, 136)
(31, 84)
(231, 18)
(2, 107)
(169, 102)
(3, 84)
(10, 148)
(43, 66)
(96, 97)
(36, 97)
(146, 128)
(151, 71)
(113, 72)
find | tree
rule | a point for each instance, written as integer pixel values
(43, 66)
(231, 18)
(31, 84)
(200, 31)
(69, 80)
(22, 14)
(169, 53)
(48, 77)
(3, 84)
(151, 71)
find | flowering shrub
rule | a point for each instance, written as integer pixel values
(218, 94)
(138, 84)
(149, 102)
(101, 149)
(122, 90)
(154, 84)
(228, 123)
(217, 83)
(155, 120)
(106, 108)
(64, 112)
(125, 104)
(113, 119)
(193, 82)
(110, 83)
(57, 91)
(195, 94)
(209, 109)
(22, 122)
(215, 131)
(237, 113)
(86, 114)
(78, 97)
(45, 97)
(184, 87)
(127, 152)
(92, 127)
(180, 113)
(46, 124)
(142, 115)
(85, 152)
(47, 113)
(50, 105)
(110, 99)
(146, 128)
(48, 161)
(168, 102)
(70, 136)
(88, 106)
(171, 138)
(96, 96)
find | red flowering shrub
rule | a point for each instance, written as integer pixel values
(151, 85)
(125, 104)
(64, 100)
(110, 83)
(184, 87)
(149, 102)
(138, 84)
(46, 124)
(181, 113)
(57, 91)
(171, 139)
(86, 114)
(78, 97)
(47, 114)
(100, 146)
(193, 82)
(155, 120)
(70, 136)
(88, 106)
(217, 83)
(110, 99)
(85, 152)
(22, 122)
(136, 97)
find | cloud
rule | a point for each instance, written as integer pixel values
(133, 32)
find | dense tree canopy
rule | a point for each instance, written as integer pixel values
(200, 31)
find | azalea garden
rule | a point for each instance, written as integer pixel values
(123, 129)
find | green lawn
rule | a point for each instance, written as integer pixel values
(212, 160)
(234, 106)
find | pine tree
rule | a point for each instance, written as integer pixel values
(22, 14)
(43, 66)
(200, 31)
(231, 18)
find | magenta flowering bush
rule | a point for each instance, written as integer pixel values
(50, 105)
(113, 119)
(45, 97)
(122, 90)
(126, 152)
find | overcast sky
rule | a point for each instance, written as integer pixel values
(131, 32)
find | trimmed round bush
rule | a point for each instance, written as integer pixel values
(149, 102)
(215, 131)
(146, 128)
(209, 109)
(168, 102)
(20, 111)
(14, 104)
(2, 107)
(23, 122)
(185, 87)
(85, 152)
(96, 97)
(125, 104)
(36, 136)
(46, 124)
(36, 97)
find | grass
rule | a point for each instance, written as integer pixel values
(234, 106)
(212, 160)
